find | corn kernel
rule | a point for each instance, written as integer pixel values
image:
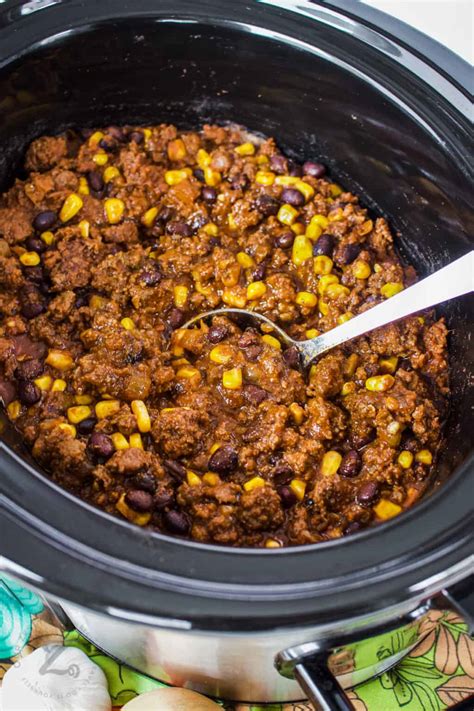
(366, 227)
(255, 483)
(245, 149)
(211, 479)
(135, 440)
(95, 138)
(298, 487)
(96, 301)
(391, 288)
(61, 360)
(173, 177)
(84, 228)
(262, 159)
(142, 416)
(320, 220)
(336, 215)
(83, 188)
(14, 410)
(351, 364)
(176, 149)
(211, 229)
(140, 519)
(221, 354)
(192, 478)
(391, 403)
(215, 447)
(100, 158)
(302, 250)
(188, 372)
(377, 268)
(78, 413)
(30, 259)
(256, 290)
(232, 379)
(110, 173)
(245, 260)
(83, 399)
(265, 177)
(106, 408)
(389, 365)
(305, 188)
(231, 222)
(70, 208)
(424, 456)
(313, 231)
(343, 318)
(335, 291)
(286, 180)
(306, 298)
(405, 459)
(120, 441)
(385, 509)
(335, 189)
(330, 464)
(271, 341)
(59, 386)
(148, 218)
(272, 543)
(323, 307)
(47, 237)
(348, 388)
(235, 296)
(147, 134)
(361, 269)
(297, 412)
(114, 209)
(312, 333)
(287, 214)
(322, 264)
(203, 158)
(212, 177)
(379, 383)
(44, 382)
(67, 428)
(180, 295)
(297, 228)
(177, 351)
(325, 281)
(128, 323)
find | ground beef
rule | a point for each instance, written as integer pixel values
(211, 433)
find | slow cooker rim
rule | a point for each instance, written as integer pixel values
(304, 551)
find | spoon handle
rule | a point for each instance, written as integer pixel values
(453, 280)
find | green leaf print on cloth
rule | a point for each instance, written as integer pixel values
(17, 605)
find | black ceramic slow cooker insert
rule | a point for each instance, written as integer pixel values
(387, 110)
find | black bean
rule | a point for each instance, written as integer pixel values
(150, 273)
(34, 244)
(85, 427)
(199, 174)
(145, 481)
(351, 464)
(28, 392)
(253, 353)
(259, 272)
(139, 500)
(175, 469)
(285, 240)
(32, 309)
(29, 369)
(349, 253)
(292, 196)
(44, 220)
(287, 496)
(324, 245)
(176, 318)
(117, 133)
(294, 169)
(209, 194)
(95, 180)
(179, 228)
(316, 170)
(239, 182)
(249, 337)
(254, 395)
(35, 274)
(411, 444)
(217, 333)
(224, 460)
(163, 499)
(291, 357)
(165, 214)
(352, 528)
(176, 522)
(282, 474)
(368, 492)
(136, 137)
(100, 445)
(267, 205)
(359, 440)
(109, 144)
(278, 164)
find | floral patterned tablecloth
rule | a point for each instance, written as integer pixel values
(438, 674)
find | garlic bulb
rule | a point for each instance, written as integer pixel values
(55, 678)
(171, 700)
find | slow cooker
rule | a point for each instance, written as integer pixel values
(388, 111)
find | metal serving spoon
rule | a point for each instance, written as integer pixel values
(453, 280)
